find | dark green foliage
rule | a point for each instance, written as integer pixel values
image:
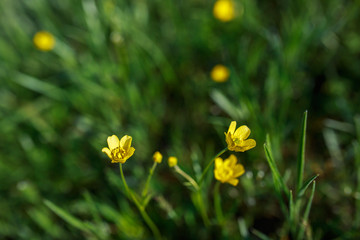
(142, 68)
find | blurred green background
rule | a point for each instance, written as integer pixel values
(142, 68)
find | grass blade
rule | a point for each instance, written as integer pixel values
(260, 235)
(92, 206)
(242, 228)
(67, 217)
(39, 86)
(357, 166)
(278, 182)
(306, 185)
(225, 104)
(306, 213)
(357, 200)
(291, 209)
(301, 154)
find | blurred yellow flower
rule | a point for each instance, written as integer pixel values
(228, 170)
(224, 10)
(44, 41)
(237, 140)
(220, 73)
(119, 150)
(172, 161)
(157, 157)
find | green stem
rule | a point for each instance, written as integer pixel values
(141, 209)
(144, 192)
(198, 197)
(217, 203)
(128, 191)
(187, 177)
(201, 205)
(151, 224)
(210, 163)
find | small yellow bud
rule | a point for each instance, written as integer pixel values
(172, 161)
(44, 41)
(157, 157)
(220, 73)
(224, 10)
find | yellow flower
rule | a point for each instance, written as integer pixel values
(172, 161)
(119, 150)
(228, 170)
(237, 140)
(224, 10)
(157, 157)
(220, 73)
(44, 41)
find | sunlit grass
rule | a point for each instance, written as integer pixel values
(150, 69)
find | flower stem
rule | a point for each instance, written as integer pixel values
(210, 163)
(141, 209)
(187, 177)
(217, 203)
(145, 190)
(201, 205)
(150, 223)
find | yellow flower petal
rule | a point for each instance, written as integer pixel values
(113, 142)
(232, 127)
(233, 181)
(242, 132)
(231, 161)
(131, 152)
(228, 139)
(248, 144)
(107, 151)
(238, 170)
(128, 155)
(218, 176)
(227, 171)
(218, 162)
(125, 142)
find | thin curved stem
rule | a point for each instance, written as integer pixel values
(140, 207)
(187, 177)
(217, 203)
(202, 208)
(210, 163)
(144, 192)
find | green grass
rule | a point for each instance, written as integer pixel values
(142, 68)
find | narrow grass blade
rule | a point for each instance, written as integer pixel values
(260, 235)
(304, 223)
(39, 86)
(301, 154)
(243, 229)
(268, 143)
(291, 208)
(306, 185)
(357, 166)
(278, 182)
(357, 199)
(68, 217)
(225, 104)
(93, 208)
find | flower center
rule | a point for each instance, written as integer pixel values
(226, 173)
(237, 141)
(118, 153)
